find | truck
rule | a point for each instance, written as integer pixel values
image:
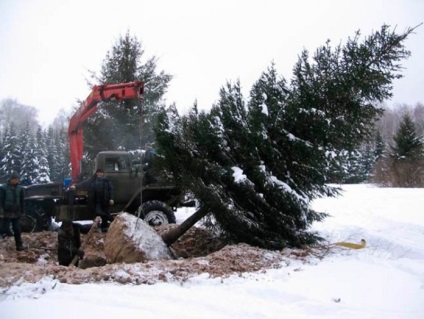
(154, 202)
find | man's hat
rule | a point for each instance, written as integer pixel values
(13, 175)
(99, 170)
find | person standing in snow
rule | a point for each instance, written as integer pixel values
(68, 243)
(11, 209)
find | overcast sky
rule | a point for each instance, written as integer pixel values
(48, 46)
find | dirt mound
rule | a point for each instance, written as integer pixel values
(198, 252)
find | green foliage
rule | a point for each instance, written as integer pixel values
(367, 162)
(126, 125)
(406, 158)
(379, 146)
(30, 150)
(43, 175)
(11, 161)
(52, 156)
(30, 164)
(402, 164)
(408, 145)
(255, 165)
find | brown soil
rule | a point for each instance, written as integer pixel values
(197, 252)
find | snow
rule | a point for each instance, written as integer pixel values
(383, 280)
(144, 237)
(238, 175)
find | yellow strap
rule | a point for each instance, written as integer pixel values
(352, 245)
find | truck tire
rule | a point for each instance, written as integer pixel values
(28, 223)
(157, 213)
(35, 218)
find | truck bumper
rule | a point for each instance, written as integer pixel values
(73, 212)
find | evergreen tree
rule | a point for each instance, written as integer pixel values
(117, 125)
(1, 145)
(55, 155)
(367, 163)
(353, 168)
(51, 155)
(255, 166)
(58, 148)
(43, 174)
(381, 170)
(62, 145)
(11, 161)
(408, 145)
(379, 146)
(407, 155)
(30, 163)
(337, 166)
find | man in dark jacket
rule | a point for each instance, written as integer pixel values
(148, 158)
(68, 243)
(101, 195)
(11, 209)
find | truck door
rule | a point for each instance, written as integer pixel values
(119, 171)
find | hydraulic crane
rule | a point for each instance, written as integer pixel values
(100, 93)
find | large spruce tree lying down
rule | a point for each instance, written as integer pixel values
(254, 164)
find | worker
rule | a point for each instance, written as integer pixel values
(68, 243)
(149, 155)
(101, 195)
(103, 198)
(11, 209)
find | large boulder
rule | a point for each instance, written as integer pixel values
(130, 239)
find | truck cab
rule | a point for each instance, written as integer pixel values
(119, 169)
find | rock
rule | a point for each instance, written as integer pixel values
(131, 240)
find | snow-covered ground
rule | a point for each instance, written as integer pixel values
(383, 280)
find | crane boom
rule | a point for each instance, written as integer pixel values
(100, 93)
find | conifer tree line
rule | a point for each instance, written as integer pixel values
(400, 160)
(37, 154)
(373, 161)
(396, 142)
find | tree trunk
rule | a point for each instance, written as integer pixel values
(174, 234)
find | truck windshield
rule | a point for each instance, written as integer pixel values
(116, 164)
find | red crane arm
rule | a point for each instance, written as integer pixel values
(99, 93)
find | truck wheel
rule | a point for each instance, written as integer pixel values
(28, 223)
(35, 219)
(157, 213)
